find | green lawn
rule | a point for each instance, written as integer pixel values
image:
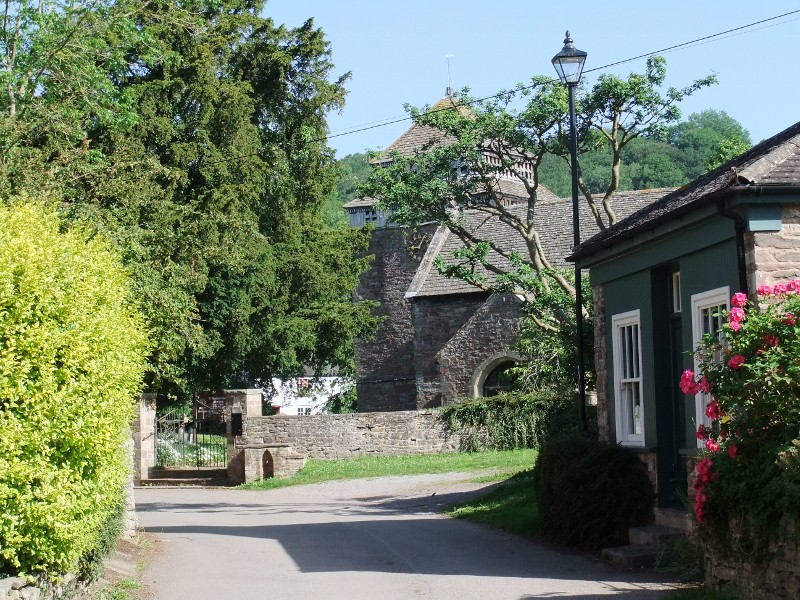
(510, 506)
(508, 463)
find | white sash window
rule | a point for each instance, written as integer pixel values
(628, 378)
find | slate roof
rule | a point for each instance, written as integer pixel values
(775, 161)
(360, 203)
(553, 220)
(418, 136)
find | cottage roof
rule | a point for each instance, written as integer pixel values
(773, 162)
(553, 219)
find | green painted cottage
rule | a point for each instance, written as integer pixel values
(660, 276)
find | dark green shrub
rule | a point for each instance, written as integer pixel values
(591, 493)
(72, 351)
(504, 422)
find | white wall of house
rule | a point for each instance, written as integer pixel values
(303, 396)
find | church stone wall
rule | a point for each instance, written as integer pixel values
(436, 320)
(385, 365)
(477, 347)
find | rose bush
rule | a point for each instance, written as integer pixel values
(749, 472)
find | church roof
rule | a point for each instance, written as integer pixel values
(417, 136)
(773, 162)
(553, 219)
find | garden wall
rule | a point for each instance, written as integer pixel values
(349, 435)
(776, 577)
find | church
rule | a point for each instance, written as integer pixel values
(442, 339)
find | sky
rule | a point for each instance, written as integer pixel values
(397, 53)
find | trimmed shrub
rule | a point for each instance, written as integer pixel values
(591, 493)
(72, 355)
(506, 421)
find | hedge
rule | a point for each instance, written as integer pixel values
(72, 356)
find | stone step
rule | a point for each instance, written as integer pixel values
(202, 472)
(631, 556)
(674, 517)
(653, 535)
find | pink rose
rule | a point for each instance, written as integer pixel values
(704, 385)
(764, 290)
(780, 288)
(771, 341)
(703, 432)
(688, 384)
(736, 361)
(735, 325)
(793, 286)
(735, 314)
(712, 446)
(739, 299)
(713, 410)
(704, 470)
(789, 319)
(733, 451)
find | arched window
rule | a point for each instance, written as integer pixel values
(498, 380)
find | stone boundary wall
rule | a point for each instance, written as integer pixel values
(776, 578)
(333, 437)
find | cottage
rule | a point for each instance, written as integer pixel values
(659, 279)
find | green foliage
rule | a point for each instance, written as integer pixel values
(748, 482)
(591, 493)
(71, 364)
(551, 356)
(343, 402)
(191, 136)
(353, 170)
(683, 557)
(506, 421)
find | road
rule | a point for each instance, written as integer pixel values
(371, 539)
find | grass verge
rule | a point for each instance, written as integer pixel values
(510, 506)
(508, 462)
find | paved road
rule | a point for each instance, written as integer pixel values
(377, 539)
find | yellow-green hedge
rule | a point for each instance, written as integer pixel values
(72, 354)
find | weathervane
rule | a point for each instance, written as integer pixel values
(449, 86)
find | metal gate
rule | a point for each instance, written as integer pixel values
(193, 438)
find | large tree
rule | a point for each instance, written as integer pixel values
(484, 140)
(210, 178)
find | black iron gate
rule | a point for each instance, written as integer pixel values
(193, 438)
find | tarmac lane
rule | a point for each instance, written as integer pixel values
(365, 539)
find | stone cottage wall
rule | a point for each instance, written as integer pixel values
(604, 430)
(774, 256)
(477, 347)
(776, 578)
(350, 435)
(385, 365)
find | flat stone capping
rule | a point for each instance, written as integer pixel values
(259, 446)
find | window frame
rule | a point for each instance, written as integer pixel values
(710, 299)
(622, 413)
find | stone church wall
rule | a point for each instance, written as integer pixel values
(436, 320)
(385, 365)
(479, 346)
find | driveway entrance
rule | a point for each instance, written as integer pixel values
(372, 539)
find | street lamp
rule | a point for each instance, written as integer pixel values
(569, 66)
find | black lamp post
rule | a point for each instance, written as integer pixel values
(569, 66)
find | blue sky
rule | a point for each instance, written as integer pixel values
(396, 52)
